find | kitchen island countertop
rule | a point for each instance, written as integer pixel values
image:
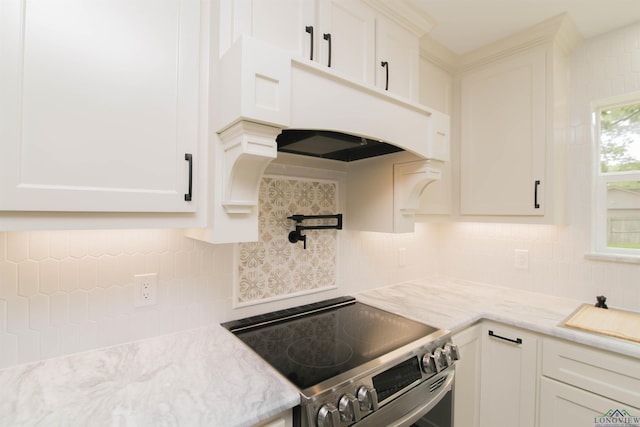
(207, 377)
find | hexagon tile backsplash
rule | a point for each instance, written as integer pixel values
(274, 268)
(67, 291)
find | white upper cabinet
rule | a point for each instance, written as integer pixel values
(99, 105)
(397, 59)
(288, 24)
(347, 38)
(504, 137)
(513, 126)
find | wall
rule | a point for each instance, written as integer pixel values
(67, 291)
(601, 67)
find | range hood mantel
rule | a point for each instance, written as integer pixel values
(265, 86)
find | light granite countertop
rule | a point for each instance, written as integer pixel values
(202, 377)
(455, 304)
(207, 377)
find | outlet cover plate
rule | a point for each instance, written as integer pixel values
(145, 289)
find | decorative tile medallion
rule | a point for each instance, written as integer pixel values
(274, 268)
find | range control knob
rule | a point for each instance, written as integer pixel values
(429, 364)
(349, 408)
(328, 416)
(440, 359)
(368, 398)
(451, 350)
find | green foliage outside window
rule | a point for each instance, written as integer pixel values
(620, 139)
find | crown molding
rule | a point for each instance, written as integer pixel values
(559, 31)
(405, 14)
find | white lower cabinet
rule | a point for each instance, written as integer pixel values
(466, 393)
(587, 386)
(567, 406)
(509, 376)
(283, 419)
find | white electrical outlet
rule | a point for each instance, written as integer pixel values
(521, 259)
(145, 289)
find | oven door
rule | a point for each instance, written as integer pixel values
(429, 404)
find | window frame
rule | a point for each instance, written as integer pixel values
(601, 179)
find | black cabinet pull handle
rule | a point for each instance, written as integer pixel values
(309, 29)
(536, 205)
(327, 37)
(189, 158)
(516, 341)
(385, 64)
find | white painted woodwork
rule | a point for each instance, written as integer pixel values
(509, 378)
(612, 375)
(514, 124)
(265, 85)
(248, 148)
(567, 406)
(466, 392)
(399, 48)
(254, 83)
(284, 419)
(279, 22)
(385, 193)
(362, 34)
(436, 199)
(503, 131)
(410, 180)
(321, 100)
(436, 90)
(99, 104)
(352, 26)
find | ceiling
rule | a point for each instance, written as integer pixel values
(465, 25)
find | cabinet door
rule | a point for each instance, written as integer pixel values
(503, 137)
(567, 406)
(281, 23)
(509, 374)
(99, 104)
(351, 25)
(397, 55)
(466, 392)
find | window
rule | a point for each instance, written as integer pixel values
(617, 186)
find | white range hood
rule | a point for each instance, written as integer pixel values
(262, 90)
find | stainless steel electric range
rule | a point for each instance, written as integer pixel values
(355, 364)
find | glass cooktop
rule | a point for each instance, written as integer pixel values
(313, 343)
